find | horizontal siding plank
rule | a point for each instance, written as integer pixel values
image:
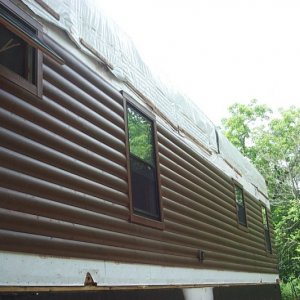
(206, 214)
(182, 190)
(28, 223)
(57, 159)
(85, 127)
(42, 136)
(254, 222)
(36, 169)
(55, 79)
(94, 217)
(43, 188)
(80, 68)
(81, 209)
(196, 175)
(242, 259)
(55, 246)
(185, 201)
(182, 229)
(180, 148)
(197, 189)
(85, 85)
(210, 233)
(71, 104)
(44, 120)
(240, 267)
(254, 205)
(58, 229)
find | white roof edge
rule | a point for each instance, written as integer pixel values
(109, 46)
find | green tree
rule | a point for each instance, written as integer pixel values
(272, 143)
(243, 119)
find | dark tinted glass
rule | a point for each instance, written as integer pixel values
(268, 241)
(241, 214)
(266, 229)
(17, 55)
(241, 211)
(144, 188)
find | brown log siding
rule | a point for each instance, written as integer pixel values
(64, 184)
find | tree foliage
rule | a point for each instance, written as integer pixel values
(243, 119)
(272, 143)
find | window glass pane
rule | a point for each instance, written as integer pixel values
(264, 216)
(140, 131)
(241, 214)
(266, 229)
(268, 240)
(12, 51)
(144, 188)
(241, 210)
(17, 55)
(239, 196)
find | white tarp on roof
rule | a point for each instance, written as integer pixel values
(84, 22)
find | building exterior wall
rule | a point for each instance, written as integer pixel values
(64, 188)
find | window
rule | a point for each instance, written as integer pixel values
(266, 229)
(21, 47)
(144, 175)
(217, 141)
(240, 205)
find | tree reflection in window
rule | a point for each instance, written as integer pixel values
(140, 136)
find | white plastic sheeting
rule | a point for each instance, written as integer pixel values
(86, 25)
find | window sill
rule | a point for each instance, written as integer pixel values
(147, 222)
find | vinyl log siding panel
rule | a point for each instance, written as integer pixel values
(64, 188)
(208, 215)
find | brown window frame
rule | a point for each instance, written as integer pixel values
(237, 185)
(135, 217)
(266, 228)
(32, 39)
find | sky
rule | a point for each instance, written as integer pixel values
(218, 52)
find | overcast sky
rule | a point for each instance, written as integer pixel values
(218, 52)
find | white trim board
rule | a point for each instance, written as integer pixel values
(18, 269)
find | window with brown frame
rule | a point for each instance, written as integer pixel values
(144, 174)
(21, 47)
(240, 205)
(265, 222)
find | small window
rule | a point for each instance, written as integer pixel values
(17, 56)
(21, 47)
(266, 229)
(144, 189)
(240, 205)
